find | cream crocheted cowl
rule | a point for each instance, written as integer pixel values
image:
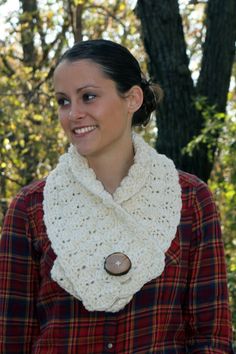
(85, 224)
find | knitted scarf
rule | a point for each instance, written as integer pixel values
(85, 224)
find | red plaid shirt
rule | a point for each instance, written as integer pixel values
(185, 310)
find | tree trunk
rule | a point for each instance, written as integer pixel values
(218, 52)
(178, 120)
(3, 193)
(28, 21)
(75, 14)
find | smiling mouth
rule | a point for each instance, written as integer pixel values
(84, 130)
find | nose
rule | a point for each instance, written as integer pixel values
(76, 112)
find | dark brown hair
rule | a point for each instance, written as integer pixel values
(120, 66)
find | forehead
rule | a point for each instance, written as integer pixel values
(71, 76)
(82, 68)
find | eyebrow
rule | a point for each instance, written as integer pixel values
(80, 88)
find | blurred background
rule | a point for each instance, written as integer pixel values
(187, 46)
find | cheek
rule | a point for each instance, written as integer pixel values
(62, 115)
(63, 119)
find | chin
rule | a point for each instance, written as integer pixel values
(83, 152)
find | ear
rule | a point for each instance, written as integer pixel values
(134, 98)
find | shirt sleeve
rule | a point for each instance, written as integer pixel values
(18, 281)
(207, 314)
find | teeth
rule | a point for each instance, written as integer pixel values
(85, 129)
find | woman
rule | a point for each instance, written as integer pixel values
(116, 251)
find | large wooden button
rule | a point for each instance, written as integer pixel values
(117, 264)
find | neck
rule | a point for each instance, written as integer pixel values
(110, 169)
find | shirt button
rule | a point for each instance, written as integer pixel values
(109, 345)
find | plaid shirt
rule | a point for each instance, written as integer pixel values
(185, 310)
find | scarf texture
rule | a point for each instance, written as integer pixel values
(85, 224)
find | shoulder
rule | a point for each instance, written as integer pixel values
(34, 187)
(26, 208)
(199, 208)
(29, 196)
(188, 180)
(195, 192)
(192, 183)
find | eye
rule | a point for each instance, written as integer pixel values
(63, 101)
(87, 97)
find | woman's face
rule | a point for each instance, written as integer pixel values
(96, 119)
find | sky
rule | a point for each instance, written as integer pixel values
(6, 9)
(11, 6)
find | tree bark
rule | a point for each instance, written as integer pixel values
(178, 120)
(28, 21)
(75, 14)
(218, 52)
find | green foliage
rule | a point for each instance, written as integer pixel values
(30, 136)
(221, 127)
(212, 127)
(223, 184)
(29, 131)
(31, 139)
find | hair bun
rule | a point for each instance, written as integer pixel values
(152, 95)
